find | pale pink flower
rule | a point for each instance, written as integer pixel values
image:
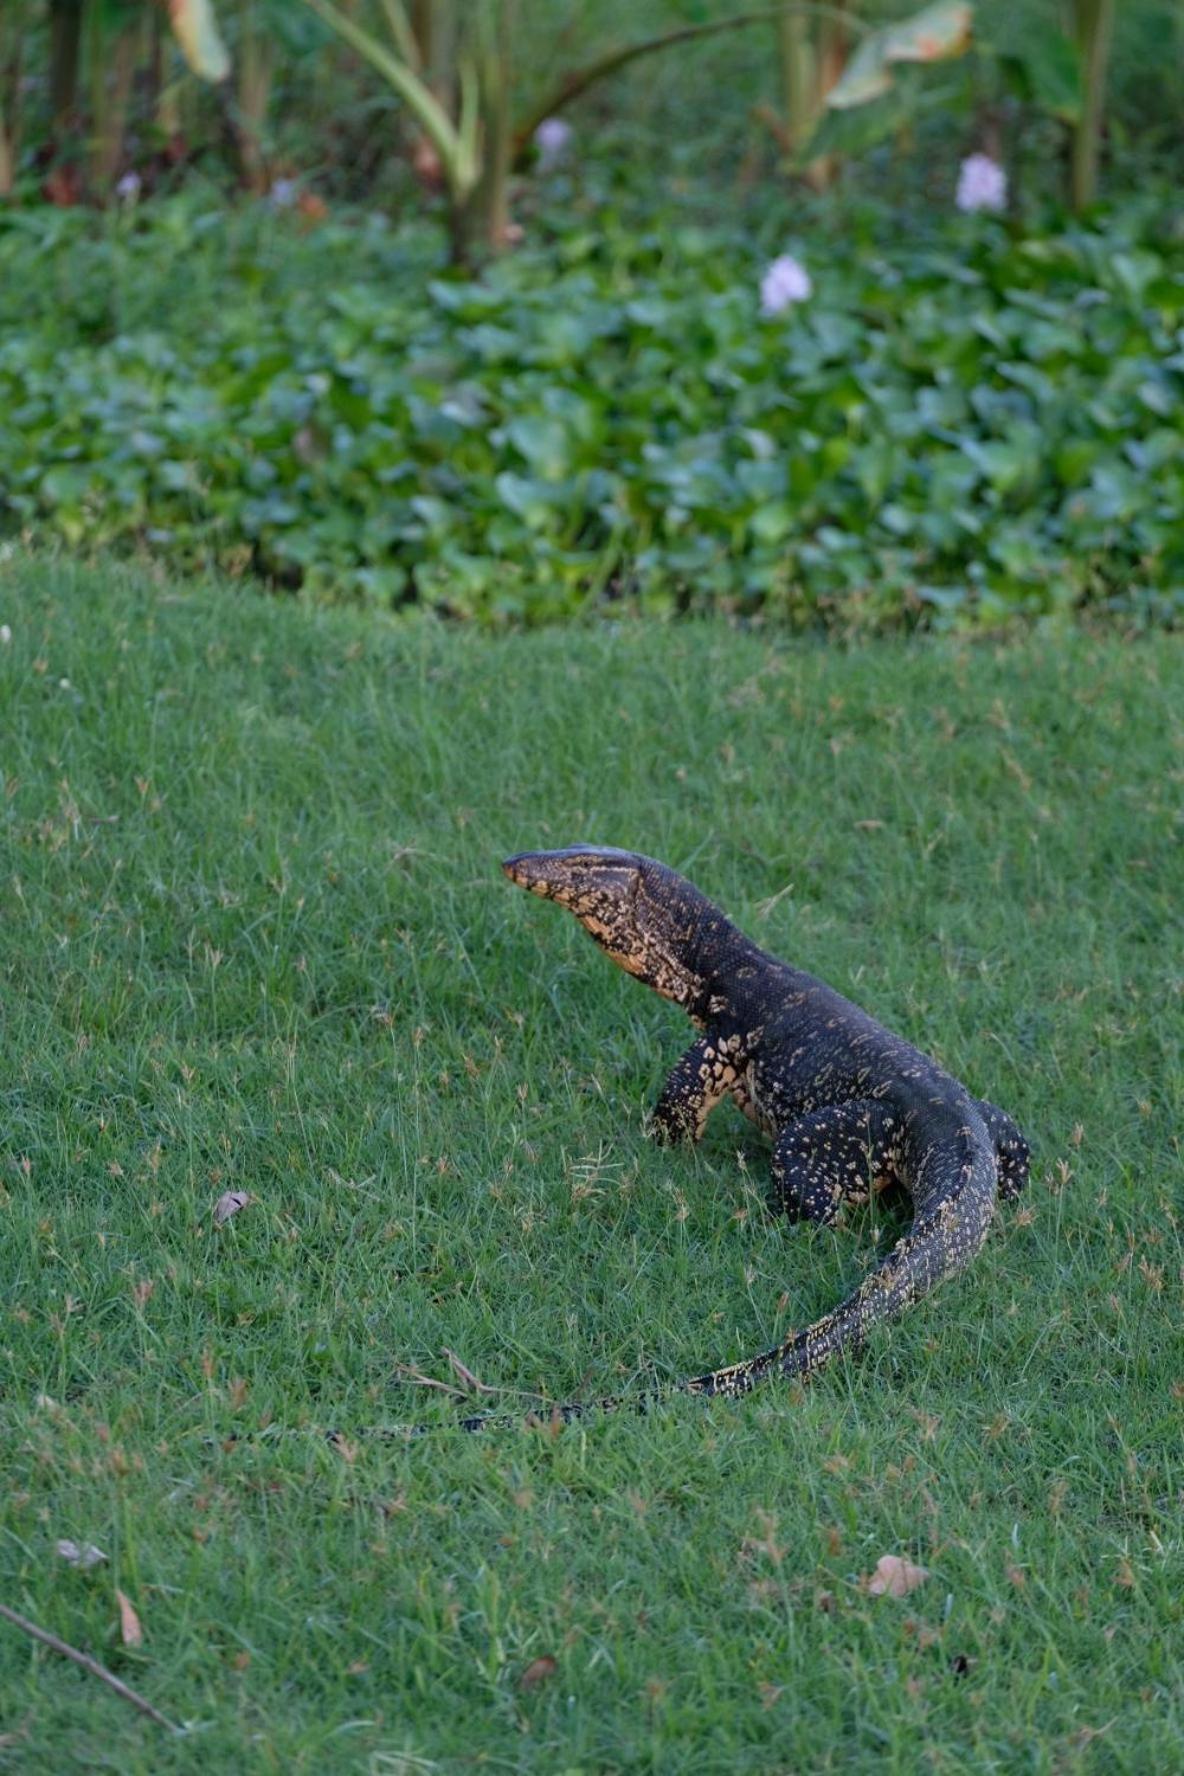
(784, 283)
(982, 184)
(552, 139)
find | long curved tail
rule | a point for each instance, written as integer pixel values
(954, 1189)
(954, 1195)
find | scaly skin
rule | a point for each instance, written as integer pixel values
(848, 1105)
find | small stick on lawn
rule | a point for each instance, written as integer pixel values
(88, 1664)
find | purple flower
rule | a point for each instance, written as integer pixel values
(982, 184)
(283, 194)
(129, 188)
(784, 283)
(552, 139)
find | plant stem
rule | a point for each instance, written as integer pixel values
(1095, 23)
(10, 112)
(796, 56)
(65, 44)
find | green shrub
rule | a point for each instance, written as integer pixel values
(956, 427)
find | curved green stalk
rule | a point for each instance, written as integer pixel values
(427, 110)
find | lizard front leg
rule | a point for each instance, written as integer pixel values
(708, 1071)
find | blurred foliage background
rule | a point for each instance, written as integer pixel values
(518, 308)
(93, 89)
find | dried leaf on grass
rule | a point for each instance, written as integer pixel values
(130, 1631)
(83, 1555)
(229, 1203)
(538, 1671)
(895, 1577)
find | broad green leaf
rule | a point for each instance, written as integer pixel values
(1046, 70)
(544, 443)
(859, 126)
(1132, 272)
(529, 500)
(771, 523)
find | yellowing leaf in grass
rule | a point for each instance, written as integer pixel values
(865, 77)
(538, 1671)
(196, 30)
(130, 1632)
(895, 1577)
(229, 1203)
(84, 1554)
(932, 35)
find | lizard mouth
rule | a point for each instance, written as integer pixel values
(528, 870)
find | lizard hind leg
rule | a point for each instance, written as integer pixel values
(842, 1153)
(1012, 1154)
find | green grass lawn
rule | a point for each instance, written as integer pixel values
(253, 936)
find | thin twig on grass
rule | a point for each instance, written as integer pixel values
(428, 1381)
(466, 1374)
(88, 1664)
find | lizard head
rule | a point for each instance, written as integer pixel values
(641, 914)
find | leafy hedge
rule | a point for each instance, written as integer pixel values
(957, 427)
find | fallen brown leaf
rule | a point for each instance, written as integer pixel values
(130, 1632)
(895, 1577)
(229, 1203)
(538, 1671)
